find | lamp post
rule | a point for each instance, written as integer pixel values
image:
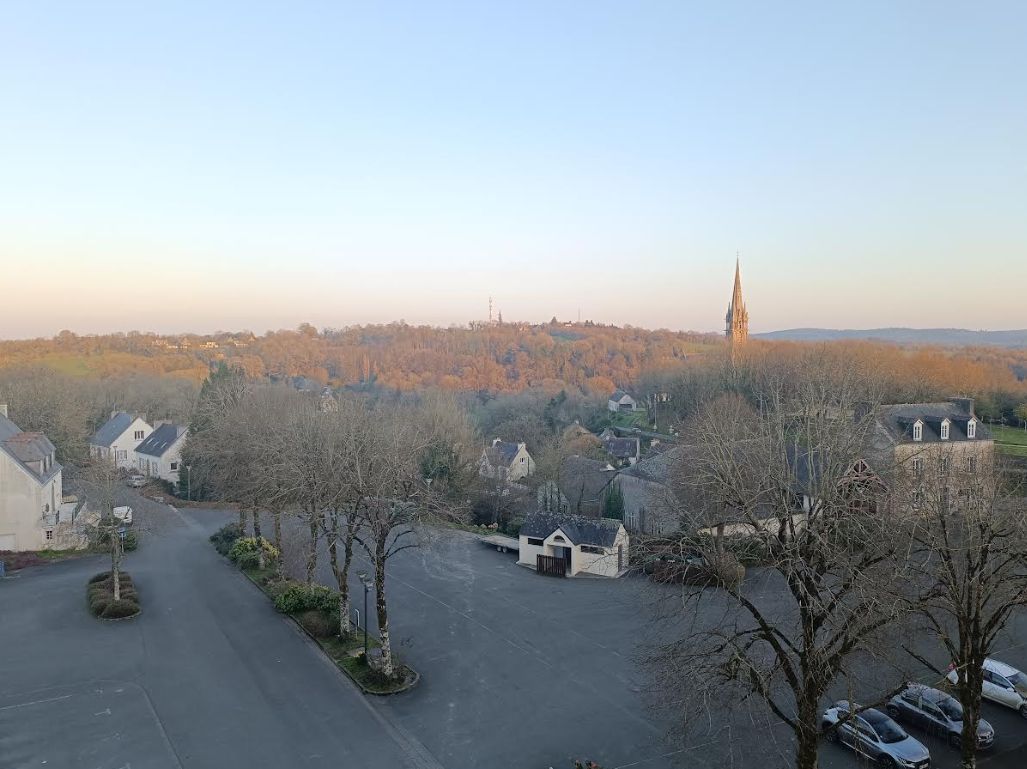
(362, 576)
(188, 483)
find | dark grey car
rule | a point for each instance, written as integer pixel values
(875, 735)
(936, 712)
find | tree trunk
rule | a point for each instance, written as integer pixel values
(345, 628)
(388, 667)
(276, 518)
(115, 560)
(259, 538)
(312, 550)
(807, 735)
(970, 699)
(242, 520)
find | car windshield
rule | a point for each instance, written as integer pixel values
(951, 708)
(886, 729)
(1017, 679)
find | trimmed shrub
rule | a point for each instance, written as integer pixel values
(119, 609)
(103, 576)
(246, 552)
(225, 537)
(298, 597)
(319, 624)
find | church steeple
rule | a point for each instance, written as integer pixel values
(736, 323)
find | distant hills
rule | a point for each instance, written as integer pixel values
(939, 336)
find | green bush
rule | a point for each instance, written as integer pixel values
(225, 537)
(103, 576)
(298, 597)
(246, 552)
(128, 544)
(319, 624)
(118, 609)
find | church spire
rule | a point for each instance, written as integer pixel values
(737, 320)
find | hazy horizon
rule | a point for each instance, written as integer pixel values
(252, 166)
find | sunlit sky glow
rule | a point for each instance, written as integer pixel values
(204, 166)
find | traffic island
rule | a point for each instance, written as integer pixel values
(102, 603)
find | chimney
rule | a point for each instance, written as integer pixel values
(965, 405)
(3, 409)
(496, 440)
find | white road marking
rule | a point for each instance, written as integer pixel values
(37, 702)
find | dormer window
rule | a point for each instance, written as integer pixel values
(971, 429)
(944, 430)
(918, 430)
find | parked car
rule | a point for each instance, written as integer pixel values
(136, 481)
(873, 734)
(1003, 684)
(937, 713)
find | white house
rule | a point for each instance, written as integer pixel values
(593, 546)
(118, 438)
(31, 491)
(160, 455)
(621, 401)
(505, 461)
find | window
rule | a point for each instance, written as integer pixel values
(593, 550)
(971, 429)
(918, 431)
(535, 542)
(945, 430)
(943, 464)
(971, 464)
(174, 466)
(918, 497)
(522, 460)
(121, 454)
(918, 466)
(49, 535)
(46, 508)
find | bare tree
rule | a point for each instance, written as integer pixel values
(970, 557)
(100, 478)
(786, 479)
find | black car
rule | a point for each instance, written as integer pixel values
(936, 712)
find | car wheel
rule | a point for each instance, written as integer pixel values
(955, 741)
(1023, 710)
(887, 762)
(831, 736)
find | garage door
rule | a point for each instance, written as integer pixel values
(6, 542)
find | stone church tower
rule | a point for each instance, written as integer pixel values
(737, 320)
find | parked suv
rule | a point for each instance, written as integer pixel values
(1003, 684)
(937, 713)
(874, 735)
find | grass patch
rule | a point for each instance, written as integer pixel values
(1010, 440)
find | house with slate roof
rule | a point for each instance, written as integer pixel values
(623, 451)
(588, 546)
(160, 455)
(505, 461)
(31, 490)
(118, 438)
(621, 401)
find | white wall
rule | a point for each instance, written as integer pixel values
(527, 554)
(27, 508)
(122, 450)
(161, 467)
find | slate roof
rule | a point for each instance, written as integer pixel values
(502, 453)
(600, 532)
(619, 394)
(25, 447)
(583, 480)
(160, 440)
(897, 421)
(112, 429)
(622, 448)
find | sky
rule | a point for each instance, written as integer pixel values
(197, 166)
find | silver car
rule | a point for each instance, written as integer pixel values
(936, 712)
(874, 735)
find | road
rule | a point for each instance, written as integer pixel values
(208, 676)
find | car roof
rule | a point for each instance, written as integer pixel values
(999, 667)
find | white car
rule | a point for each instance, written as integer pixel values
(1003, 684)
(136, 481)
(123, 513)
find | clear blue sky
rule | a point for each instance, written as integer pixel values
(204, 166)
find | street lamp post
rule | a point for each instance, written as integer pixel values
(367, 586)
(188, 483)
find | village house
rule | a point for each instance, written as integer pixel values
(118, 438)
(580, 546)
(505, 461)
(584, 485)
(160, 455)
(31, 491)
(623, 451)
(621, 401)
